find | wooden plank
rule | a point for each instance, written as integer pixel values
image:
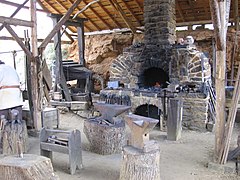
(50, 117)
(16, 22)
(75, 151)
(57, 131)
(231, 119)
(59, 24)
(18, 40)
(15, 12)
(54, 147)
(22, 39)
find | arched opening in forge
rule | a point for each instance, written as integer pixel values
(148, 110)
(155, 77)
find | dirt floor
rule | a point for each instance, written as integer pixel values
(185, 159)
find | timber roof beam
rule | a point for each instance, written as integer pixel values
(118, 8)
(109, 15)
(178, 8)
(133, 15)
(89, 19)
(98, 16)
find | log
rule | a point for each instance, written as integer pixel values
(105, 139)
(139, 165)
(14, 136)
(30, 167)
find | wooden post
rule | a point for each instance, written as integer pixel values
(34, 71)
(174, 121)
(60, 78)
(81, 43)
(220, 16)
(58, 54)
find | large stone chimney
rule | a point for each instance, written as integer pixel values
(160, 23)
(144, 65)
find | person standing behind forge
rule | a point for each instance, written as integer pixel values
(10, 93)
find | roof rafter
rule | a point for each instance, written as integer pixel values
(180, 11)
(115, 4)
(109, 15)
(139, 24)
(85, 16)
(206, 11)
(138, 4)
(99, 17)
(193, 10)
(56, 11)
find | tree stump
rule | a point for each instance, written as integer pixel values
(30, 167)
(139, 165)
(105, 138)
(14, 137)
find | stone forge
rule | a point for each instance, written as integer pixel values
(146, 69)
(106, 133)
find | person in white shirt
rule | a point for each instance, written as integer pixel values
(10, 93)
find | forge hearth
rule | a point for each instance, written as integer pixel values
(154, 77)
(158, 69)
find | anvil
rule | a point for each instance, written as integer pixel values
(140, 127)
(108, 111)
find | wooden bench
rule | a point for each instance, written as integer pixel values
(67, 142)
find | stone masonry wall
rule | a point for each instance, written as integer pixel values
(189, 65)
(195, 110)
